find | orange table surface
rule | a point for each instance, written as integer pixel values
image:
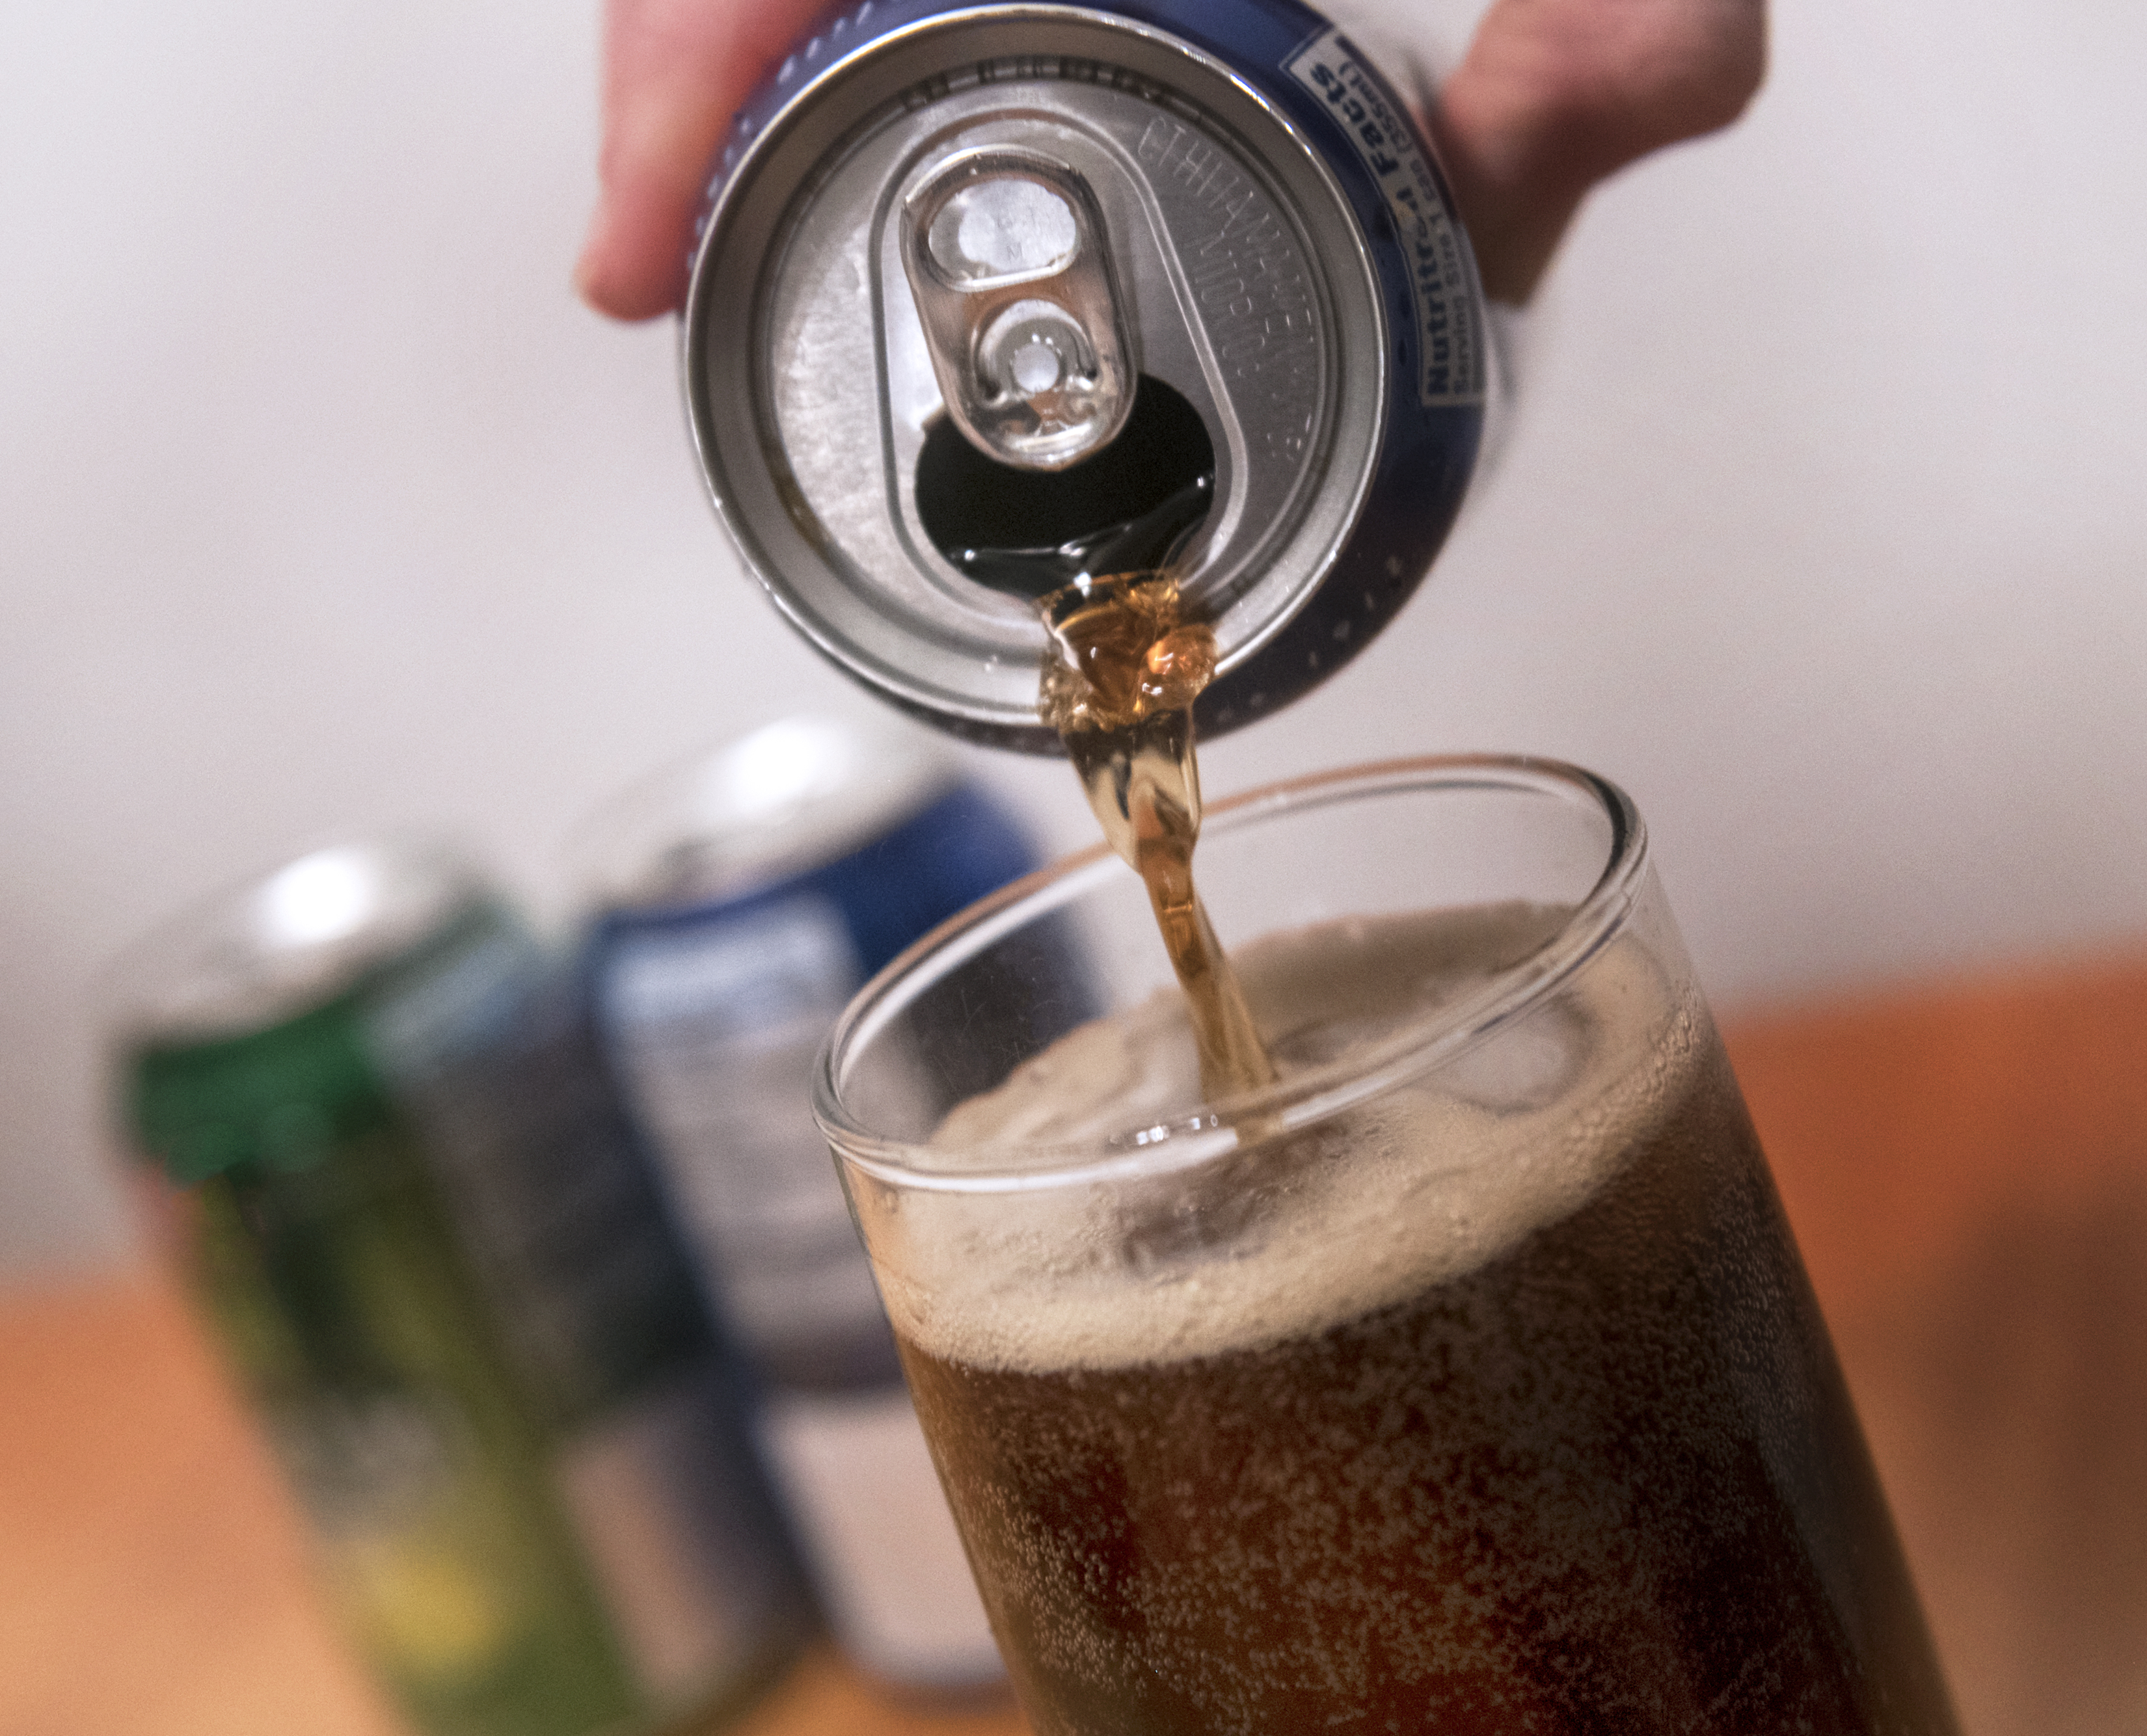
(1966, 1166)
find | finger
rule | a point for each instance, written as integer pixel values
(673, 72)
(1554, 95)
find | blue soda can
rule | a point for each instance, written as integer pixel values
(737, 903)
(986, 299)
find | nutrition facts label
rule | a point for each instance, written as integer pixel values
(715, 1026)
(1450, 364)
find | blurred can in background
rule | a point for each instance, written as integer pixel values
(412, 1210)
(737, 903)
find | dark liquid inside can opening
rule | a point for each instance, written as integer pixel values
(1028, 532)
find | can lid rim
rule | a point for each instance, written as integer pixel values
(742, 814)
(279, 943)
(800, 577)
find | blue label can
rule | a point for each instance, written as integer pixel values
(989, 297)
(736, 904)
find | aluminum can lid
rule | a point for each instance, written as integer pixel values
(791, 796)
(289, 941)
(1283, 293)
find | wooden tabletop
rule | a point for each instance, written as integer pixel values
(1966, 1165)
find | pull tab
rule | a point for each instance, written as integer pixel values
(1005, 255)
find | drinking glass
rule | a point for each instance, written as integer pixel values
(1466, 1379)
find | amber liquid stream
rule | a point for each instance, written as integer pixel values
(1119, 690)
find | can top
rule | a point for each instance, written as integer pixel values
(792, 795)
(1053, 193)
(277, 946)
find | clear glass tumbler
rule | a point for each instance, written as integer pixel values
(1466, 1380)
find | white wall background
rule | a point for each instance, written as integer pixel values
(324, 509)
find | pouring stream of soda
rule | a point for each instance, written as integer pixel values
(1118, 688)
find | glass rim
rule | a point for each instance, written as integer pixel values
(1209, 1131)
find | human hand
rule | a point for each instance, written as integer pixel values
(1551, 96)
(1556, 95)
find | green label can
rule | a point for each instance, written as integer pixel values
(438, 1266)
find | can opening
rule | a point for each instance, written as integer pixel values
(1131, 507)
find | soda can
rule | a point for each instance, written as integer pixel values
(413, 1212)
(738, 902)
(988, 298)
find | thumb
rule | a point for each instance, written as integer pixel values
(1554, 95)
(673, 72)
